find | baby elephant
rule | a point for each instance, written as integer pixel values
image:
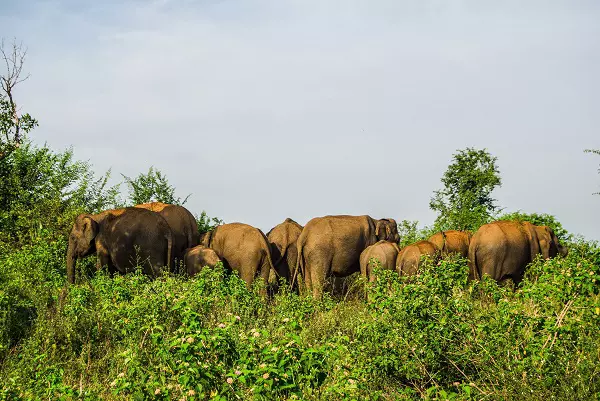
(197, 257)
(383, 251)
(409, 258)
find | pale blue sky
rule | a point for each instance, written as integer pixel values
(299, 108)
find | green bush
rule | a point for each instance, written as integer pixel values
(432, 336)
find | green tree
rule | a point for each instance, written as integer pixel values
(13, 126)
(596, 151)
(409, 232)
(466, 202)
(206, 223)
(41, 191)
(152, 187)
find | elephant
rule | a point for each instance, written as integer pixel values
(452, 241)
(331, 246)
(183, 226)
(385, 252)
(198, 257)
(503, 249)
(409, 258)
(242, 248)
(121, 238)
(284, 253)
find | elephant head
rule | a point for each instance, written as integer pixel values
(549, 244)
(81, 242)
(387, 230)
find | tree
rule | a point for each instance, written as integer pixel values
(410, 233)
(466, 203)
(596, 151)
(206, 223)
(42, 190)
(13, 126)
(152, 187)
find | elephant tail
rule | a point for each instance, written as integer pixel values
(267, 262)
(169, 237)
(299, 260)
(281, 256)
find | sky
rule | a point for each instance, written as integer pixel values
(267, 109)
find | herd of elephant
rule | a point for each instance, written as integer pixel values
(157, 236)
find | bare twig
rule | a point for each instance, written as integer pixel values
(471, 383)
(14, 59)
(558, 324)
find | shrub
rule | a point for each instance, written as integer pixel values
(432, 336)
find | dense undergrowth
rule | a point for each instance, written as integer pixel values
(435, 336)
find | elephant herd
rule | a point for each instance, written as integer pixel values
(161, 237)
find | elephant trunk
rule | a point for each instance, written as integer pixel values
(563, 250)
(71, 261)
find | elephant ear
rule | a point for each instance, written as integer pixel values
(533, 236)
(544, 247)
(89, 229)
(377, 227)
(382, 224)
(550, 247)
(391, 230)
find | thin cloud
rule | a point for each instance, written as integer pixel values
(270, 109)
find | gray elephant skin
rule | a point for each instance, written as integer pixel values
(198, 257)
(384, 253)
(452, 241)
(284, 253)
(331, 246)
(242, 248)
(121, 238)
(183, 227)
(410, 257)
(503, 249)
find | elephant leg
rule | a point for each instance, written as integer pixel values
(247, 274)
(306, 278)
(318, 275)
(155, 267)
(265, 272)
(103, 259)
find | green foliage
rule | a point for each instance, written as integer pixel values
(41, 190)
(410, 232)
(540, 219)
(432, 336)
(8, 127)
(29, 281)
(152, 187)
(205, 223)
(465, 202)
